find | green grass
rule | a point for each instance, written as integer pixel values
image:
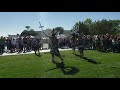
(31, 66)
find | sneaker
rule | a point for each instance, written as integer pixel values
(62, 62)
(53, 61)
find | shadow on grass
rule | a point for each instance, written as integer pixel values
(38, 54)
(88, 59)
(70, 70)
(67, 70)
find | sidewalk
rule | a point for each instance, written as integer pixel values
(41, 51)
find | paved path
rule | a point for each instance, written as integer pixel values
(42, 51)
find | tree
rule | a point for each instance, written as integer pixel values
(25, 33)
(88, 23)
(81, 27)
(115, 26)
(28, 32)
(60, 29)
(32, 32)
(98, 27)
(17, 34)
(27, 27)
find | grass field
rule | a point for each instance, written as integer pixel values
(95, 65)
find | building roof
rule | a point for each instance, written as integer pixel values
(48, 32)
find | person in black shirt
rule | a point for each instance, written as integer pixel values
(81, 42)
(36, 46)
(73, 43)
(118, 45)
(20, 45)
(54, 46)
(24, 44)
(2, 44)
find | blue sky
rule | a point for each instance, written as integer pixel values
(15, 22)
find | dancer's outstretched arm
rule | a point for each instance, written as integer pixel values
(46, 34)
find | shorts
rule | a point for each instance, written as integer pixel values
(55, 51)
(81, 48)
(36, 47)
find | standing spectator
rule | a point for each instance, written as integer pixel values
(2, 45)
(24, 44)
(20, 44)
(36, 46)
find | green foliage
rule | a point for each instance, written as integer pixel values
(25, 33)
(28, 32)
(32, 66)
(98, 27)
(32, 32)
(60, 29)
(28, 27)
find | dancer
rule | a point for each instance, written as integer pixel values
(54, 46)
(81, 45)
